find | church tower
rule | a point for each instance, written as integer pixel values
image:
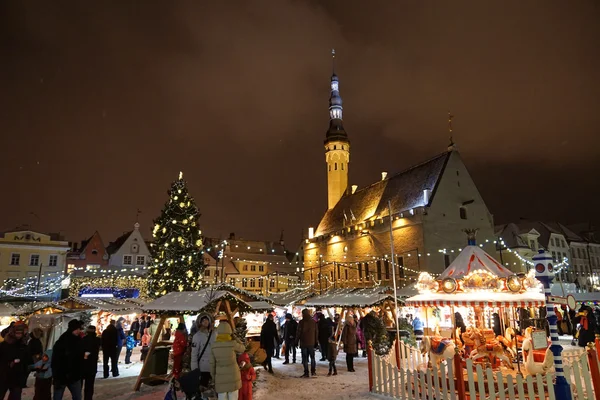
(337, 146)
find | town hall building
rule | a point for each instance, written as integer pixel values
(432, 203)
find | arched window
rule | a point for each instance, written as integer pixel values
(329, 167)
(342, 166)
(463, 213)
(335, 166)
(334, 147)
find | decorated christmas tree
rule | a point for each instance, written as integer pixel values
(177, 247)
(374, 330)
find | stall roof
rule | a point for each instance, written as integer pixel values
(7, 310)
(481, 299)
(593, 297)
(244, 294)
(102, 303)
(33, 307)
(192, 301)
(291, 296)
(473, 258)
(260, 306)
(367, 297)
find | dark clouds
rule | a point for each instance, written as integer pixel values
(114, 98)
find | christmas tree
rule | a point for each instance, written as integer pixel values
(374, 330)
(177, 247)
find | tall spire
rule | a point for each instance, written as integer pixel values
(452, 145)
(336, 129)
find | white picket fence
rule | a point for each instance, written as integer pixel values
(411, 380)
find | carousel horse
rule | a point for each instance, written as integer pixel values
(490, 349)
(438, 348)
(533, 367)
(507, 341)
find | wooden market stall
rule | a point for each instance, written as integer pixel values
(222, 304)
(7, 312)
(103, 309)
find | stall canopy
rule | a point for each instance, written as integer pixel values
(260, 306)
(109, 304)
(193, 302)
(39, 308)
(351, 297)
(6, 310)
(245, 295)
(291, 297)
(474, 278)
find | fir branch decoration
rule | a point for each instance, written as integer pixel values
(374, 330)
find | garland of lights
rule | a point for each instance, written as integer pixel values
(114, 282)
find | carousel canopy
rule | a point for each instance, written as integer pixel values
(351, 297)
(473, 258)
(191, 302)
(481, 299)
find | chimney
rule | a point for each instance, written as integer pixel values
(354, 187)
(311, 232)
(383, 175)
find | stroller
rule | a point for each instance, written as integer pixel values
(190, 385)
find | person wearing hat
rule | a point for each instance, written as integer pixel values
(14, 362)
(289, 336)
(223, 363)
(67, 362)
(91, 348)
(110, 338)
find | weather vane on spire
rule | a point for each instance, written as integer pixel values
(450, 117)
(333, 60)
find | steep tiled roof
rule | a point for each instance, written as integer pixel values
(510, 234)
(404, 190)
(113, 247)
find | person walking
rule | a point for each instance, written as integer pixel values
(332, 353)
(179, 347)
(324, 334)
(223, 363)
(277, 342)
(307, 337)
(14, 362)
(289, 337)
(418, 327)
(67, 362)
(43, 377)
(268, 340)
(129, 346)
(91, 348)
(121, 337)
(142, 328)
(349, 340)
(109, 349)
(201, 347)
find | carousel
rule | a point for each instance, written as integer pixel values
(476, 306)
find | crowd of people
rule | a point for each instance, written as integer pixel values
(312, 332)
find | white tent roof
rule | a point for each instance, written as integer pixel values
(472, 258)
(350, 298)
(260, 306)
(292, 296)
(189, 301)
(6, 310)
(482, 299)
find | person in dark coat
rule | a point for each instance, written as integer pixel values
(268, 338)
(35, 347)
(109, 349)
(587, 332)
(307, 336)
(135, 328)
(350, 343)
(5, 330)
(91, 348)
(324, 334)
(67, 362)
(14, 362)
(289, 337)
(121, 337)
(143, 327)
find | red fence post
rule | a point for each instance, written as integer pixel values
(397, 347)
(597, 341)
(593, 363)
(458, 376)
(370, 365)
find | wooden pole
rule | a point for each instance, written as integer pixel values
(459, 378)
(153, 343)
(370, 364)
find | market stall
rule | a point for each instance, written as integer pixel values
(7, 312)
(222, 304)
(103, 309)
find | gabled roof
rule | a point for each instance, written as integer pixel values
(510, 233)
(473, 258)
(113, 247)
(404, 190)
(567, 233)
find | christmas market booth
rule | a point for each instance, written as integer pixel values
(177, 307)
(28, 309)
(7, 312)
(103, 309)
(475, 301)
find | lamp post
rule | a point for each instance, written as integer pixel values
(544, 271)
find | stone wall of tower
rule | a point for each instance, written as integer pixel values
(337, 158)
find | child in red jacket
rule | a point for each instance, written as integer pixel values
(248, 376)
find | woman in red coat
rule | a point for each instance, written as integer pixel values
(179, 347)
(248, 376)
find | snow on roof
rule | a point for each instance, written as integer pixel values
(102, 303)
(350, 297)
(191, 301)
(291, 296)
(30, 308)
(6, 310)
(259, 306)
(473, 258)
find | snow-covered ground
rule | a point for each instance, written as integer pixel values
(285, 383)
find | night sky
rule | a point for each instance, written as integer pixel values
(103, 103)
